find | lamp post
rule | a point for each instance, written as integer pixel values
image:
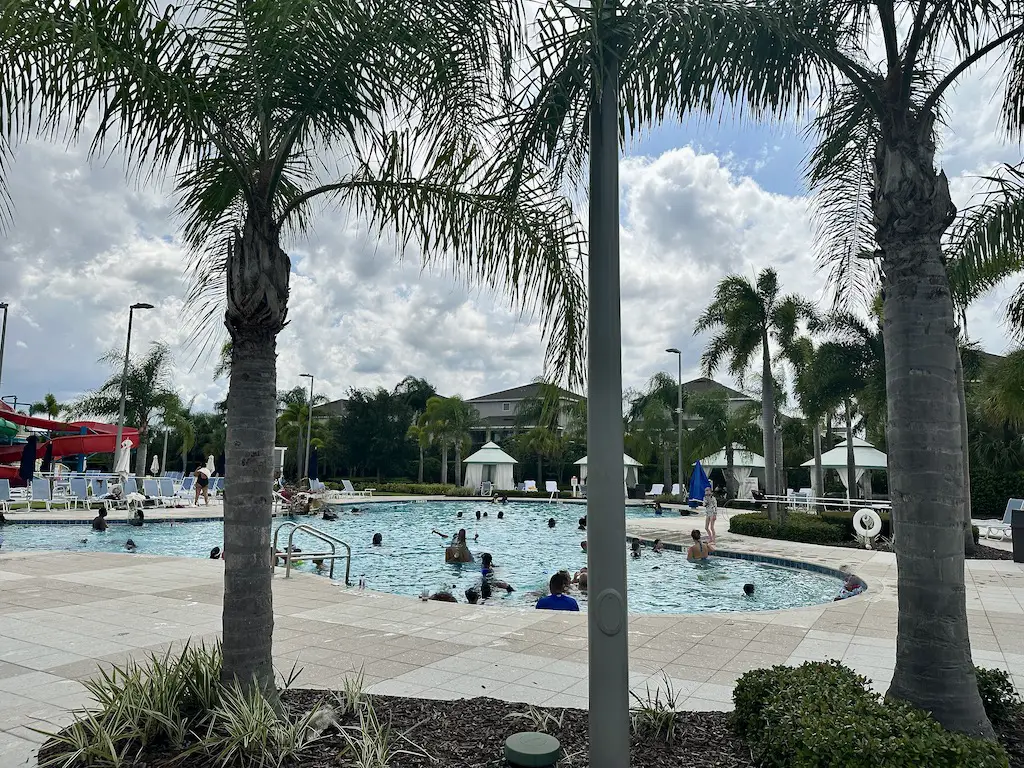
(679, 415)
(124, 378)
(309, 423)
(3, 338)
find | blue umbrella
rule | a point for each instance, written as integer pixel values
(698, 484)
(28, 460)
(314, 470)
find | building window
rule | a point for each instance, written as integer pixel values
(506, 406)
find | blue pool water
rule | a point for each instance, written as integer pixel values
(526, 553)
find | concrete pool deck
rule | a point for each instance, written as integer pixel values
(63, 613)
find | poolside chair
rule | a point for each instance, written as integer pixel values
(41, 492)
(5, 496)
(152, 490)
(675, 489)
(486, 488)
(217, 486)
(186, 490)
(1002, 530)
(656, 490)
(80, 492)
(551, 486)
(167, 490)
(530, 485)
(98, 486)
(348, 490)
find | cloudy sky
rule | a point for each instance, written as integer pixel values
(698, 201)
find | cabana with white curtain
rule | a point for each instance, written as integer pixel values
(865, 458)
(630, 467)
(490, 464)
(745, 464)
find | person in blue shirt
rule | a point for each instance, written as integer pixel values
(558, 600)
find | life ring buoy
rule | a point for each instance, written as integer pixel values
(866, 522)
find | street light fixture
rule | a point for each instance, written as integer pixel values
(3, 338)
(679, 418)
(124, 378)
(309, 424)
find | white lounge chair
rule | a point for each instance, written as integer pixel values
(167, 490)
(41, 492)
(551, 486)
(486, 488)
(80, 492)
(152, 490)
(5, 496)
(186, 490)
(1002, 530)
(656, 490)
(675, 489)
(530, 486)
(348, 490)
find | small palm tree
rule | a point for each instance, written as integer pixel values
(745, 318)
(147, 392)
(650, 425)
(721, 425)
(47, 405)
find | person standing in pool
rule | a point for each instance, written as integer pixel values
(458, 552)
(699, 551)
(378, 540)
(99, 523)
(558, 600)
(710, 513)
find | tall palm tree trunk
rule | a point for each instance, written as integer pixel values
(458, 462)
(540, 470)
(141, 453)
(851, 459)
(912, 209)
(257, 287)
(444, 463)
(819, 473)
(666, 455)
(419, 470)
(969, 546)
(731, 487)
(768, 425)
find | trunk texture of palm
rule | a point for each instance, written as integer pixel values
(819, 472)
(912, 208)
(851, 458)
(768, 425)
(419, 470)
(458, 462)
(969, 545)
(257, 297)
(731, 487)
(141, 454)
(444, 463)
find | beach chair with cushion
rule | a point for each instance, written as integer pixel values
(530, 486)
(41, 492)
(656, 490)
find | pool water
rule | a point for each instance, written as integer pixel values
(526, 552)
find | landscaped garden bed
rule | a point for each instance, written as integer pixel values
(175, 712)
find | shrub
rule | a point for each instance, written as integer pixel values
(799, 526)
(821, 715)
(844, 519)
(1002, 702)
(991, 490)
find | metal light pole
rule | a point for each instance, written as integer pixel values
(679, 411)
(124, 378)
(163, 456)
(3, 338)
(309, 424)
(606, 531)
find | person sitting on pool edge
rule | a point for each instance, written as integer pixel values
(852, 585)
(558, 600)
(699, 550)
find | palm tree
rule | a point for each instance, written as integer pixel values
(419, 433)
(437, 430)
(147, 391)
(416, 392)
(650, 422)
(47, 405)
(461, 417)
(720, 425)
(248, 105)
(801, 354)
(876, 111)
(293, 422)
(746, 317)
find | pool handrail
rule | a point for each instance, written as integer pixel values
(316, 533)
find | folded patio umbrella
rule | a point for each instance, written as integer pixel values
(154, 468)
(124, 459)
(698, 482)
(47, 458)
(28, 460)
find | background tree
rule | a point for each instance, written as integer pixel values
(416, 392)
(245, 104)
(47, 405)
(147, 392)
(722, 427)
(374, 430)
(435, 424)
(745, 318)
(549, 422)
(293, 424)
(650, 428)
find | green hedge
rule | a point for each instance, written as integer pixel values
(844, 519)
(799, 526)
(822, 715)
(991, 490)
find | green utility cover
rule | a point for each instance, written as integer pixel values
(532, 750)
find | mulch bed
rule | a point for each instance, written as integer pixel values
(981, 552)
(1011, 736)
(471, 733)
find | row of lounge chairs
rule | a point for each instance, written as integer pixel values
(93, 492)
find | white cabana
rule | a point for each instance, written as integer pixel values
(630, 467)
(744, 464)
(865, 457)
(490, 464)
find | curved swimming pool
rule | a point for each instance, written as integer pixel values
(526, 552)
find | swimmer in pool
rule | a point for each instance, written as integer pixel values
(635, 548)
(699, 551)
(658, 546)
(378, 539)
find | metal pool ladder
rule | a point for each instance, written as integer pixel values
(332, 541)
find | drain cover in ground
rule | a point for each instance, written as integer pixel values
(532, 750)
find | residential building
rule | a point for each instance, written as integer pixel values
(498, 411)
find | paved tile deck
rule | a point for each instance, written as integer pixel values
(61, 614)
